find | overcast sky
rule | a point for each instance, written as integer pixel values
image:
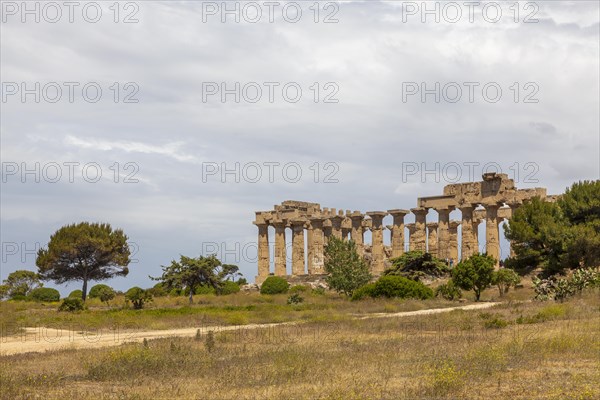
(368, 131)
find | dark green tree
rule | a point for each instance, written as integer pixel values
(557, 236)
(84, 251)
(416, 265)
(346, 269)
(191, 273)
(22, 282)
(475, 273)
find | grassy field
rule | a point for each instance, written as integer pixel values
(516, 350)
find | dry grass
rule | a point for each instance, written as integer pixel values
(512, 351)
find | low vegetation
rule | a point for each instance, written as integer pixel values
(531, 350)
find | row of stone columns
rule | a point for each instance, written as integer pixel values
(438, 238)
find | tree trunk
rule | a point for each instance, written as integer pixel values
(191, 296)
(84, 290)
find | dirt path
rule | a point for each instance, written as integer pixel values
(46, 339)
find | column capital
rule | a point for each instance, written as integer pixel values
(432, 225)
(398, 212)
(446, 209)
(419, 210)
(454, 224)
(376, 218)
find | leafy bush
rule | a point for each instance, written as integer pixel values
(399, 286)
(201, 289)
(504, 278)
(274, 285)
(76, 294)
(346, 269)
(295, 299)
(158, 290)
(19, 297)
(97, 289)
(367, 290)
(229, 287)
(106, 294)
(416, 265)
(299, 289)
(72, 304)
(138, 297)
(45, 294)
(448, 291)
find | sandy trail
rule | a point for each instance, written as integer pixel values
(43, 339)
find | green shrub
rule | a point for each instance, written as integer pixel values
(299, 289)
(138, 297)
(201, 289)
(158, 290)
(229, 287)
(72, 304)
(295, 299)
(398, 286)
(76, 294)
(44, 294)
(504, 278)
(367, 290)
(19, 297)
(274, 285)
(97, 289)
(448, 291)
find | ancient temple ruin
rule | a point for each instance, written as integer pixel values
(493, 199)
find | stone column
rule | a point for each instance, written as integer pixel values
(377, 241)
(316, 247)
(492, 234)
(398, 231)
(469, 245)
(263, 251)
(336, 225)
(432, 238)
(453, 241)
(443, 233)
(327, 231)
(310, 256)
(280, 250)
(357, 231)
(420, 232)
(411, 236)
(476, 221)
(297, 247)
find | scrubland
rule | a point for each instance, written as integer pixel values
(519, 349)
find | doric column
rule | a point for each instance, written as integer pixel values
(420, 232)
(398, 231)
(336, 226)
(453, 241)
(309, 241)
(492, 234)
(263, 251)
(280, 248)
(316, 247)
(469, 245)
(432, 238)
(327, 231)
(377, 240)
(357, 231)
(443, 233)
(411, 236)
(297, 247)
